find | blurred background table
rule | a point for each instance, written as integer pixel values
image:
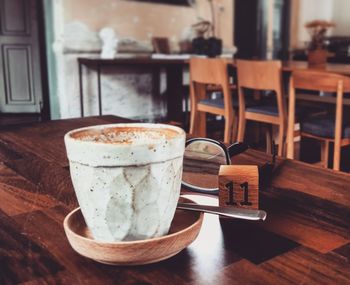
(329, 67)
(173, 69)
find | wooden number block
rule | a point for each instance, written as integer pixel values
(239, 186)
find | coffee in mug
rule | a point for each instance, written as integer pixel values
(127, 178)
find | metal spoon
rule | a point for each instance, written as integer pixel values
(238, 213)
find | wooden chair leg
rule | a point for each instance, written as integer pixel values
(268, 134)
(198, 118)
(198, 123)
(228, 130)
(193, 120)
(241, 129)
(234, 129)
(325, 153)
(201, 125)
(337, 153)
(290, 144)
(281, 140)
(291, 120)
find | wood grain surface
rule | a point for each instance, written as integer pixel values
(239, 186)
(305, 239)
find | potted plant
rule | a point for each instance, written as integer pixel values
(317, 50)
(206, 42)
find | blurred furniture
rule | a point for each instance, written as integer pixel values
(289, 66)
(174, 73)
(307, 227)
(161, 45)
(210, 47)
(325, 127)
(338, 47)
(174, 77)
(261, 76)
(206, 72)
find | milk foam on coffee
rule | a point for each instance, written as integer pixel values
(127, 178)
(124, 144)
(122, 135)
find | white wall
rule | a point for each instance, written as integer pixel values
(337, 11)
(143, 20)
(126, 92)
(341, 16)
(313, 10)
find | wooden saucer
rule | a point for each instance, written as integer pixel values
(183, 231)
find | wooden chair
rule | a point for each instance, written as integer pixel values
(324, 127)
(261, 76)
(206, 72)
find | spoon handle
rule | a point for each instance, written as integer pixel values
(238, 213)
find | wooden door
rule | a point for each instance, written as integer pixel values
(20, 66)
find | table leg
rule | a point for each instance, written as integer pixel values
(156, 82)
(81, 90)
(99, 89)
(174, 92)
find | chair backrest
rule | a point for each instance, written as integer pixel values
(208, 71)
(319, 81)
(260, 75)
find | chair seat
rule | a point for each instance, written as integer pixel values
(266, 109)
(304, 111)
(272, 110)
(219, 102)
(323, 126)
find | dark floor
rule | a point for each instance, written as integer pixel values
(14, 119)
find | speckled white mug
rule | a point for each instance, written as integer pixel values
(127, 178)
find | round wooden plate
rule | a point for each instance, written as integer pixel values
(183, 231)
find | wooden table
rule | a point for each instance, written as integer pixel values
(305, 239)
(173, 69)
(174, 73)
(329, 67)
(344, 69)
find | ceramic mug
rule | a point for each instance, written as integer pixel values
(127, 178)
